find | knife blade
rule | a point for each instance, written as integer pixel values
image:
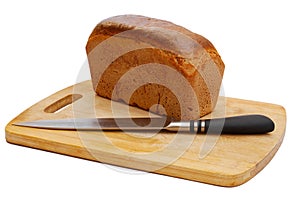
(245, 124)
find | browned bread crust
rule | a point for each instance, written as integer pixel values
(147, 62)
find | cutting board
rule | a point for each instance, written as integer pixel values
(224, 160)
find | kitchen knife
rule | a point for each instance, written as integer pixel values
(245, 124)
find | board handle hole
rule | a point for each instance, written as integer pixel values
(63, 103)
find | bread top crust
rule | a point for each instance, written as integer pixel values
(164, 35)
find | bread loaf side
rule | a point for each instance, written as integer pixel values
(154, 65)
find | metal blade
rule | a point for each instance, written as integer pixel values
(99, 124)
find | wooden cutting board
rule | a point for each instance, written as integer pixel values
(225, 160)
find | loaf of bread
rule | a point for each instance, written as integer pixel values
(154, 65)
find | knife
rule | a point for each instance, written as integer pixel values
(245, 124)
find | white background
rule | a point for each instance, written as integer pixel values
(42, 47)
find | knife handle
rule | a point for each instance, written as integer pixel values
(246, 124)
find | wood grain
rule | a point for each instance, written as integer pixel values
(225, 160)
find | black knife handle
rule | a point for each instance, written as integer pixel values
(246, 124)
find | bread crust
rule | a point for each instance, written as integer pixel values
(157, 49)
